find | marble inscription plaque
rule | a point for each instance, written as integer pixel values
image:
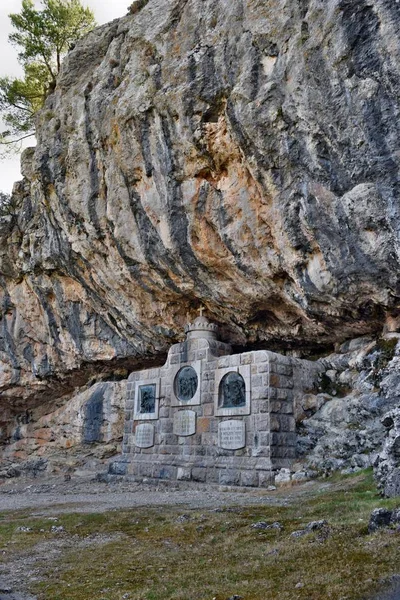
(144, 435)
(232, 435)
(185, 422)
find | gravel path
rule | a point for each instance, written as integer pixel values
(94, 497)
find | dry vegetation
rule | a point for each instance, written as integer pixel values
(180, 554)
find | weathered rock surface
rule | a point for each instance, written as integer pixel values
(341, 427)
(241, 154)
(73, 435)
(387, 464)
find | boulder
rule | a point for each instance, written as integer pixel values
(380, 517)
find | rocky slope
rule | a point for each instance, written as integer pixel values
(343, 426)
(240, 154)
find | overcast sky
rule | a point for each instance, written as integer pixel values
(104, 10)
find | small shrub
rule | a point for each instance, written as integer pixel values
(327, 386)
(136, 6)
(5, 204)
(387, 349)
(381, 356)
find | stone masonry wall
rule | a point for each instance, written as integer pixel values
(270, 437)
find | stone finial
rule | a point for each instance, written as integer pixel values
(201, 328)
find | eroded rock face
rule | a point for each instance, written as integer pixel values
(387, 464)
(340, 425)
(74, 433)
(242, 154)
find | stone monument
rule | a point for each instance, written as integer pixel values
(211, 416)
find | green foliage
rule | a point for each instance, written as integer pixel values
(380, 357)
(4, 198)
(327, 386)
(42, 38)
(387, 348)
(20, 99)
(5, 202)
(8, 205)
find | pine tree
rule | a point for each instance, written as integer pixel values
(42, 38)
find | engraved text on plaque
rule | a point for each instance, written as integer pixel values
(232, 435)
(185, 422)
(144, 435)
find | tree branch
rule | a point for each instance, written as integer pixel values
(18, 140)
(24, 108)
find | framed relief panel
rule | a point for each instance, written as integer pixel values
(186, 384)
(147, 399)
(232, 391)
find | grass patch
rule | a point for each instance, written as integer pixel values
(180, 554)
(19, 531)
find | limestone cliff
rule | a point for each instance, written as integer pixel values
(240, 154)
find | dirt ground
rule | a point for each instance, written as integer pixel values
(52, 497)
